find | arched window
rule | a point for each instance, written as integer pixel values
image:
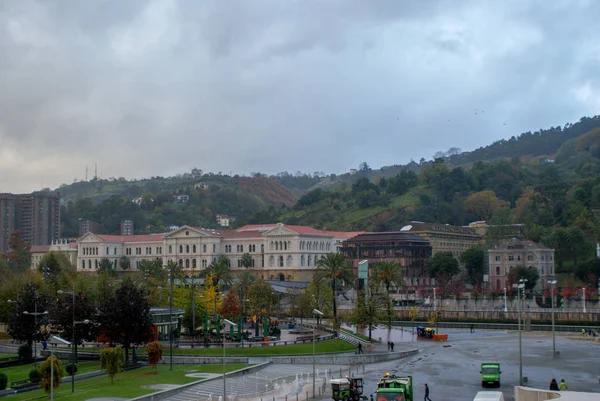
(285, 245)
(276, 245)
(170, 248)
(271, 261)
(497, 270)
(181, 262)
(271, 246)
(194, 248)
(281, 277)
(308, 262)
(96, 263)
(288, 261)
(193, 263)
(83, 264)
(187, 249)
(187, 263)
(281, 261)
(302, 261)
(89, 264)
(180, 248)
(204, 248)
(262, 247)
(214, 248)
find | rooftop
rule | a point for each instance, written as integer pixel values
(516, 243)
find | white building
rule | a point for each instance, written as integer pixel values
(277, 251)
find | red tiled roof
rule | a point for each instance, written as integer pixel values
(345, 235)
(131, 238)
(39, 248)
(304, 230)
(240, 234)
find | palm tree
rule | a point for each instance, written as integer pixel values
(388, 273)
(334, 267)
(220, 272)
(124, 263)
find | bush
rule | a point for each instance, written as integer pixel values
(3, 381)
(35, 376)
(25, 352)
(71, 367)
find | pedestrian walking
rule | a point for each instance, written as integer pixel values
(44, 345)
(392, 346)
(389, 345)
(554, 385)
(563, 386)
(371, 397)
(426, 393)
(360, 350)
(472, 328)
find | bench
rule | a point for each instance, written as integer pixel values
(20, 384)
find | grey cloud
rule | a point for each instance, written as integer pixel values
(156, 87)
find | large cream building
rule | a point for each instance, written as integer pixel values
(278, 251)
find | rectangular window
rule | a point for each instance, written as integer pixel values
(511, 257)
(497, 257)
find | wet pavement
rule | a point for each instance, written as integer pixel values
(452, 368)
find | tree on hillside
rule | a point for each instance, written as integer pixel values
(442, 265)
(334, 268)
(474, 261)
(125, 317)
(521, 272)
(18, 256)
(483, 204)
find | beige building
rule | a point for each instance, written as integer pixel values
(278, 251)
(69, 249)
(444, 237)
(512, 253)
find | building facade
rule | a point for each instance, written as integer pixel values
(36, 215)
(444, 237)
(89, 226)
(409, 250)
(513, 253)
(277, 251)
(68, 249)
(127, 227)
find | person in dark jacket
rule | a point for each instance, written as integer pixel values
(426, 393)
(554, 385)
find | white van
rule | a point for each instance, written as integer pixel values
(489, 396)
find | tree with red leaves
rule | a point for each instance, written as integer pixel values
(231, 305)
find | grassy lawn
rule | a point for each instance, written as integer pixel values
(6, 357)
(327, 346)
(21, 372)
(127, 384)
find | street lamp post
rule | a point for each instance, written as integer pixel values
(35, 314)
(505, 303)
(74, 343)
(434, 306)
(583, 292)
(520, 305)
(224, 380)
(317, 313)
(552, 283)
(170, 317)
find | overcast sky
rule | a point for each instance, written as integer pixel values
(157, 87)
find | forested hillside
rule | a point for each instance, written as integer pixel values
(557, 200)
(110, 201)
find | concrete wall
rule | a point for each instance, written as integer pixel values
(347, 359)
(199, 360)
(501, 316)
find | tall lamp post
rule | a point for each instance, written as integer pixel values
(521, 288)
(73, 342)
(505, 303)
(170, 316)
(35, 314)
(434, 306)
(552, 284)
(583, 292)
(317, 313)
(224, 377)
